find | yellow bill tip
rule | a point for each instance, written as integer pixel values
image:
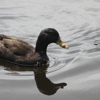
(64, 46)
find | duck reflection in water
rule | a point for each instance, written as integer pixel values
(44, 85)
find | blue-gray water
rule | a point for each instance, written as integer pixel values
(78, 22)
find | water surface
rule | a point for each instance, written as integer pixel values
(78, 22)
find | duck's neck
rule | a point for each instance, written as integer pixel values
(41, 47)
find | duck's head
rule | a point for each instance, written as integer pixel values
(47, 36)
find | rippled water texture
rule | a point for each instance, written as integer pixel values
(78, 22)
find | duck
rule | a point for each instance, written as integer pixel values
(19, 52)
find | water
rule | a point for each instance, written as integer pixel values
(78, 22)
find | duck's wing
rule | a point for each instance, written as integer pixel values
(13, 49)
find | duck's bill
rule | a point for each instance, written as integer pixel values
(60, 43)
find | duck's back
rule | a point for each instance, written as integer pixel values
(13, 48)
